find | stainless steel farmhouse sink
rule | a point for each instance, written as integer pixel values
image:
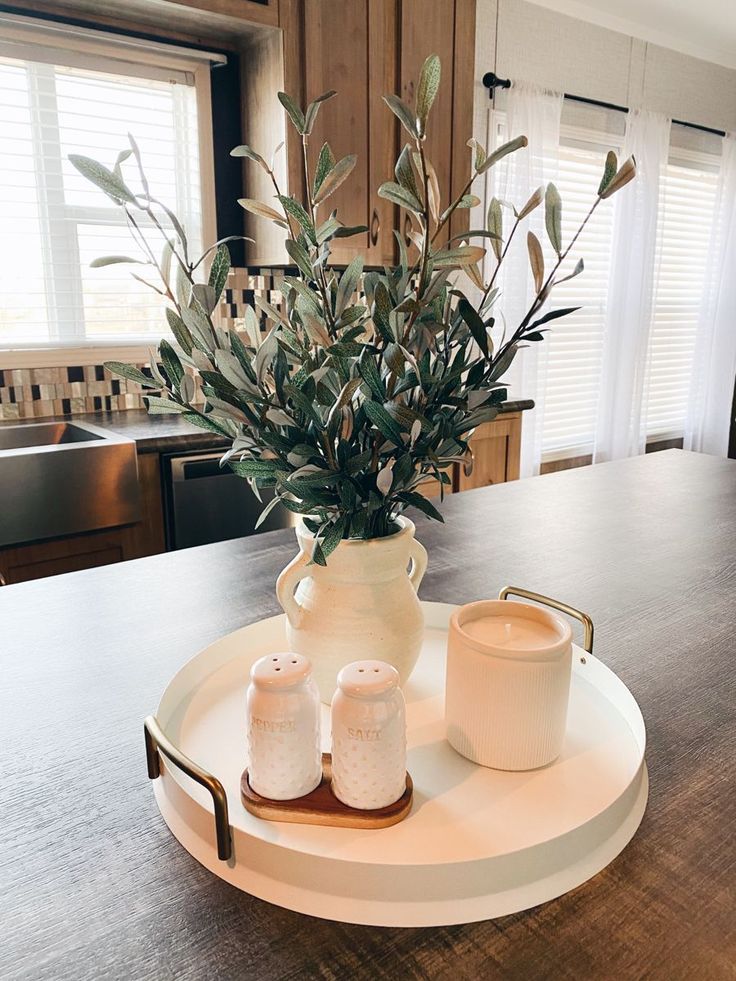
(63, 478)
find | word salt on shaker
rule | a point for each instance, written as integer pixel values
(283, 719)
(368, 736)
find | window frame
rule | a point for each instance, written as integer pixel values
(46, 42)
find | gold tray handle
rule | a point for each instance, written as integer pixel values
(587, 623)
(157, 742)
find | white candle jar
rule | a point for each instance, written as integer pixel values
(508, 684)
(283, 723)
(368, 736)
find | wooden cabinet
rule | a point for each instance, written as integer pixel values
(20, 563)
(365, 49)
(496, 449)
(445, 28)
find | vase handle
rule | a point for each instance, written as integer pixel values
(286, 585)
(418, 556)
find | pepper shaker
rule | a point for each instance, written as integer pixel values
(283, 721)
(368, 736)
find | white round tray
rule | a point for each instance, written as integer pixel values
(478, 843)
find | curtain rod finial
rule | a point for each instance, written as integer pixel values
(493, 82)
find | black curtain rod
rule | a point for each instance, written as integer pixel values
(492, 82)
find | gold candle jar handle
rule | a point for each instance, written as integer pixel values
(587, 623)
(158, 742)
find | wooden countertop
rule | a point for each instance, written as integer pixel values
(95, 886)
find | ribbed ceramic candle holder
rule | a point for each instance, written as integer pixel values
(508, 684)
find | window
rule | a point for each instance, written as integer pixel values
(575, 346)
(57, 98)
(687, 204)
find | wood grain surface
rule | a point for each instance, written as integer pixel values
(94, 886)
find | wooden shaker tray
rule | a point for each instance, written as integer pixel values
(322, 807)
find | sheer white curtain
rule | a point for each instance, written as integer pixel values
(535, 113)
(714, 368)
(619, 428)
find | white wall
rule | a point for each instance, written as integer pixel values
(521, 40)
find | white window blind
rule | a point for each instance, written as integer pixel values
(575, 343)
(54, 222)
(686, 212)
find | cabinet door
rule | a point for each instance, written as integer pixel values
(496, 449)
(350, 47)
(445, 28)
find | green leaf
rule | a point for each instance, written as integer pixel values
(383, 422)
(345, 231)
(103, 178)
(265, 512)
(332, 180)
(429, 83)
(333, 536)
(553, 217)
(132, 373)
(161, 407)
(397, 194)
(503, 151)
(405, 172)
(295, 113)
(204, 422)
(111, 260)
(246, 151)
(171, 363)
(495, 226)
(553, 315)
(475, 323)
(219, 271)
(295, 209)
(421, 504)
(579, 267)
(626, 173)
(394, 358)
(255, 468)
(325, 163)
(480, 153)
(403, 113)
(180, 331)
(609, 171)
(318, 556)
(369, 374)
(348, 284)
(463, 255)
(301, 257)
(313, 108)
(328, 229)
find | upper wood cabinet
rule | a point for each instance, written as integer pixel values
(365, 49)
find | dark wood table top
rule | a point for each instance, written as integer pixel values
(94, 885)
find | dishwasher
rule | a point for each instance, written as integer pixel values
(204, 502)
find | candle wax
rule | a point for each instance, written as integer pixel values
(511, 633)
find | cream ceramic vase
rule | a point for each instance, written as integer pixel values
(362, 605)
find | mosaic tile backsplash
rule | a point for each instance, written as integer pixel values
(27, 393)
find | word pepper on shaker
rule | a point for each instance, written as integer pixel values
(283, 719)
(368, 736)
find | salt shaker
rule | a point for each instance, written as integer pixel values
(283, 719)
(368, 736)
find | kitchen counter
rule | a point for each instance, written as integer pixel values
(96, 887)
(171, 433)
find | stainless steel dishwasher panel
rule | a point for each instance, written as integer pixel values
(208, 503)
